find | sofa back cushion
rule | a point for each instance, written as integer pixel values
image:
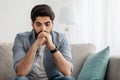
(79, 53)
(6, 62)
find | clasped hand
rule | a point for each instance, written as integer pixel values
(44, 38)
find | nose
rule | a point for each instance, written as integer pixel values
(43, 28)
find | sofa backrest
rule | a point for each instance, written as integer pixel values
(79, 53)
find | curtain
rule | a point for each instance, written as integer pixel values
(99, 23)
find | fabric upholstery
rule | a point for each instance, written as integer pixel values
(113, 71)
(95, 66)
(6, 63)
(79, 54)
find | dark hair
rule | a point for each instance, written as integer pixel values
(42, 10)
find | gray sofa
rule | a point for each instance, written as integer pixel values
(79, 53)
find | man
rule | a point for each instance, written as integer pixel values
(42, 54)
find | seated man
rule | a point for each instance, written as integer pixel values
(42, 54)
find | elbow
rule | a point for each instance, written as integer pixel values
(20, 73)
(67, 73)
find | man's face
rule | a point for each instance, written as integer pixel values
(42, 24)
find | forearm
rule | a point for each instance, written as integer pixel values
(24, 66)
(63, 65)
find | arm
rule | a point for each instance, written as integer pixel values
(63, 65)
(24, 64)
(60, 60)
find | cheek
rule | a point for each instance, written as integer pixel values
(49, 29)
(36, 29)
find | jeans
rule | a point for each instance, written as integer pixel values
(21, 78)
(56, 78)
(63, 78)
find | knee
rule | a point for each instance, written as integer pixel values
(68, 78)
(21, 78)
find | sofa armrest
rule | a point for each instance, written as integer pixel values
(113, 70)
(79, 53)
(6, 61)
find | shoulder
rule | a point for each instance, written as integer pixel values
(59, 38)
(57, 34)
(24, 34)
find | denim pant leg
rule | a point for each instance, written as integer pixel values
(67, 78)
(21, 78)
(64, 78)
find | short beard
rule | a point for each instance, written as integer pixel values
(36, 34)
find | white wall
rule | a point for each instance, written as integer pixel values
(99, 20)
(15, 16)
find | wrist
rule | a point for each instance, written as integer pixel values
(54, 50)
(52, 47)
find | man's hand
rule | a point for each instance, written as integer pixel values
(45, 38)
(41, 40)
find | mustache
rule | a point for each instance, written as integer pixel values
(41, 31)
(36, 34)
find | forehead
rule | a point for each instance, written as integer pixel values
(43, 19)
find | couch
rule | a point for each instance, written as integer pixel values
(79, 52)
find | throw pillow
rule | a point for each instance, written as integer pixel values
(95, 66)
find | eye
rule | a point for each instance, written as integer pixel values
(48, 24)
(38, 24)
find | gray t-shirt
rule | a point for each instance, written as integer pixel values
(39, 69)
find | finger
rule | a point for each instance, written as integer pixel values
(40, 34)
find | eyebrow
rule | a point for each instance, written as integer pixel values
(38, 22)
(44, 23)
(47, 22)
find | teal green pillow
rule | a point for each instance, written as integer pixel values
(95, 66)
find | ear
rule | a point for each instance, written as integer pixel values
(32, 24)
(52, 23)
